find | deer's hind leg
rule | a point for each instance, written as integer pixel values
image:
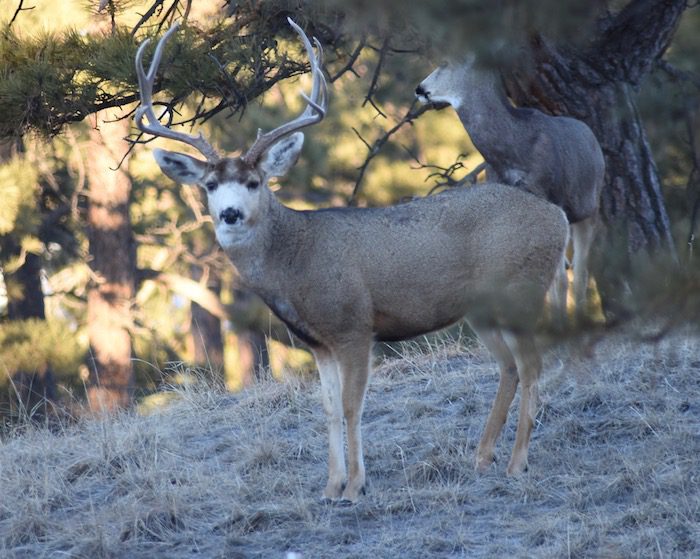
(507, 385)
(582, 235)
(558, 297)
(529, 364)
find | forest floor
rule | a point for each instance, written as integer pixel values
(614, 467)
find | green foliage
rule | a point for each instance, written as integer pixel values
(18, 181)
(241, 60)
(48, 80)
(34, 345)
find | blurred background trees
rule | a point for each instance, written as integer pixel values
(112, 282)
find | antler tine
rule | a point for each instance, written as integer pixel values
(153, 126)
(316, 103)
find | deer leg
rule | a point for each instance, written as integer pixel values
(557, 296)
(583, 234)
(529, 364)
(354, 364)
(507, 386)
(332, 404)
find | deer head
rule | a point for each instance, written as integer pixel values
(449, 82)
(237, 191)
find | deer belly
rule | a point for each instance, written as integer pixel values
(397, 325)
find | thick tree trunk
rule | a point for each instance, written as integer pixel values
(34, 391)
(113, 263)
(597, 86)
(25, 296)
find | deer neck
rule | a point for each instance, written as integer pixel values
(487, 115)
(275, 237)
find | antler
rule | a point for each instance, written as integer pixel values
(314, 111)
(146, 109)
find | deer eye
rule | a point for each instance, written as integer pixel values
(210, 185)
(252, 185)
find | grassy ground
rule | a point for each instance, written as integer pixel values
(614, 468)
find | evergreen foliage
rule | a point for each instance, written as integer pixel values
(18, 178)
(31, 346)
(239, 60)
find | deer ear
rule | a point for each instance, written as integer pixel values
(282, 156)
(180, 167)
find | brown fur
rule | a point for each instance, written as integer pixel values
(343, 277)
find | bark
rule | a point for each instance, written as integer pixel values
(250, 316)
(253, 358)
(34, 391)
(597, 85)
(113, 264)
(25, 296)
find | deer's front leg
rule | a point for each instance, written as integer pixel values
(354, 365)
(529, 365)
(332, 404)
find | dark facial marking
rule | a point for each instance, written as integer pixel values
(211, 185)
(235, 170)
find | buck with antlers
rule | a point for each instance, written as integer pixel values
(555, 157)
(341, 278)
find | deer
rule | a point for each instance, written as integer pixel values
(555, 157)
(343, 278)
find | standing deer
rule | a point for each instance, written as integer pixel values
(555, 157)
(341, 278)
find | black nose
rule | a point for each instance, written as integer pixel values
(420, 90)
(230, 216)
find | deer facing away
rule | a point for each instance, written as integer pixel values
(557, 158)
(341, 278)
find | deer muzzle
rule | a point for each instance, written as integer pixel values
(230, 216)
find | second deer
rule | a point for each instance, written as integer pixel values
(555, 157)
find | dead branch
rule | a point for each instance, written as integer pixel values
(147, 15)
(373, 149)
(676, 74)
(20, 8)
(369, 98)
(348, 67)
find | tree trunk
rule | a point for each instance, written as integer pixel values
(113, 264)
(33, 390)
(597, 86)
(25, 296)
(253, 358)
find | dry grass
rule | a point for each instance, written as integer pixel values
(614, 468)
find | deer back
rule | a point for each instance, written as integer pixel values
(488, 252)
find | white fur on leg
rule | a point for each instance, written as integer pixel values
(332, 404)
